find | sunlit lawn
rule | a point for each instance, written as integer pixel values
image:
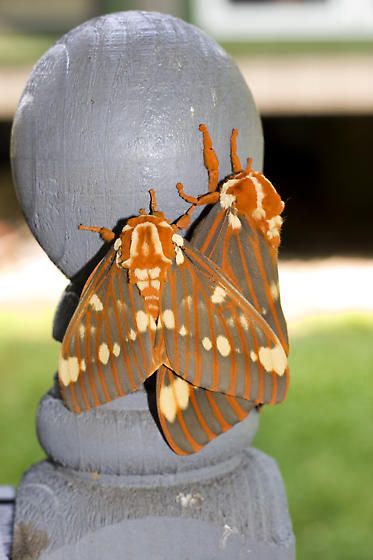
(322, 437)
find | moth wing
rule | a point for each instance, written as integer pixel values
(191, 417)
(239, 247)
(214, 337)
(107, 348)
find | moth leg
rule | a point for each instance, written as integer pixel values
(235, 160)
(210, 159)
(208, 198)
(106, 234)
(184, 221)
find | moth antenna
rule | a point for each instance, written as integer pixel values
(210, 159)
(235, 160)
(153, 201)
(106, 234)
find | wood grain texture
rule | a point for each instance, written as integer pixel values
(113, 109)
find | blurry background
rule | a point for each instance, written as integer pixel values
(309, 64)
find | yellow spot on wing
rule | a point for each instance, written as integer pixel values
(273, 359)
(103, 353)
(173, 397)
(68, 370)
(219, 295)
(168, 319)
(116, 349)
(96, 303)
(206, 343)
(142, 320)
(223, 345)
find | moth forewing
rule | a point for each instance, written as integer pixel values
(214, 338)
(110, 346)
(107, 350)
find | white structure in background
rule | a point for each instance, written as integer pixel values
(243, 20)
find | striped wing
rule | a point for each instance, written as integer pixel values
(213, 336)
(108, 346)
(248, 260)
(192, 417)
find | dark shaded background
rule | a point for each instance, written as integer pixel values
(320, 165)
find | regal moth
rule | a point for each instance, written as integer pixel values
(155, 302)
(240, 233)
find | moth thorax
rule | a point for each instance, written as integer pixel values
(146, 249)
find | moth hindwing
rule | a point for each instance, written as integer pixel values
(241, 233)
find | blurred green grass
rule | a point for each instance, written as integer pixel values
(321, 437)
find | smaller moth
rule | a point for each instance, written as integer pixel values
(155, 302)
(241, 234)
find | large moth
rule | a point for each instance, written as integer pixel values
(241, 233)
(153, 302)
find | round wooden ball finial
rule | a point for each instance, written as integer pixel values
(112, 110)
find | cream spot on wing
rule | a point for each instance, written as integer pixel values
(188, 301)
(206, 343)
(81, 331)
(275, 290)
(103, 353)
(154, 272)
(127, 228)
(96, 303)
(117, 244)
(83, 365)
(132, 335)
(234, 221)
(223, 345)
(141, 273)
(142, 320)
(167, 403)
(253, 356)
(183, 331)
(219, 295)
(168, 319)
(63, 371)
(178, 239)
(155, 284)
(273, 359)
(116, 349)
(244, 322)
(181, 389)
(152, 323)
(142, 284)
(68, 370)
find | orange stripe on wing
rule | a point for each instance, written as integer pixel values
(216, 410)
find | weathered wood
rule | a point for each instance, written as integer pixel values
(112, 110)
(6, 520)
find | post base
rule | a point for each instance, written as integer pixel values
(234, 510)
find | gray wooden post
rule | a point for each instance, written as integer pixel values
(110, 111)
